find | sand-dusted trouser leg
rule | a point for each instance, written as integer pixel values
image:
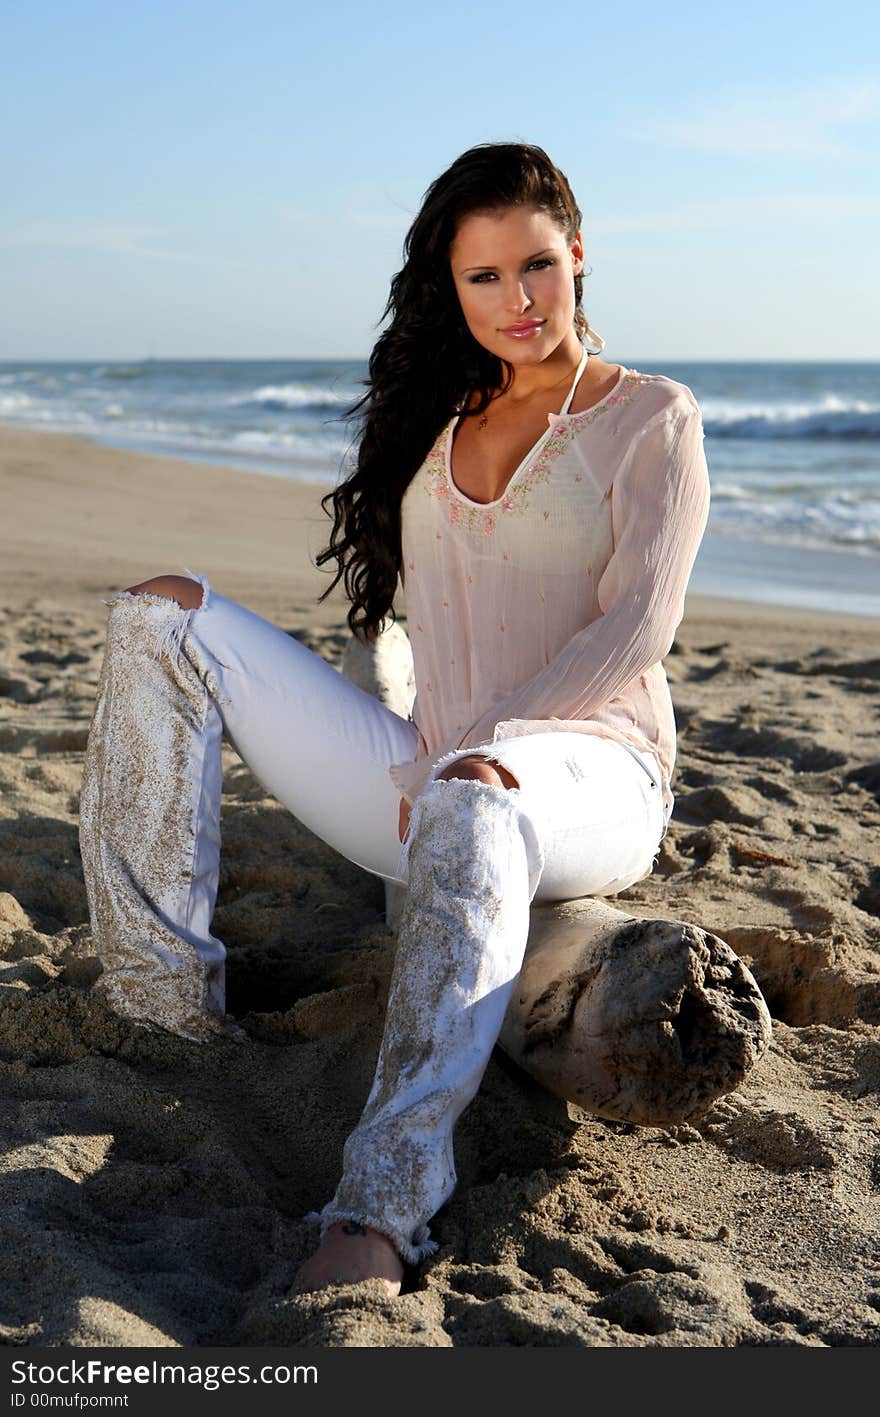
(474, 862)
(173, 683)
(149, 822)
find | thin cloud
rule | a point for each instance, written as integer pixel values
(816, 121)
(361, 205)
(103, 238)
(754, 213)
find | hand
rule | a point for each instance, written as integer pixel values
(403, 818)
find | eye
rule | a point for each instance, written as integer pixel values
(539, 264)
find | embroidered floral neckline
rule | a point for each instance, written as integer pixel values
(534, 469)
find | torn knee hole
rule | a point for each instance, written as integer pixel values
(172, 588)
(470, 766)
(165, 631)
(507, 777)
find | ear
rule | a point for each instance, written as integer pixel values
(577, 254)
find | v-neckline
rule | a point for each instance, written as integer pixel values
(536, 447)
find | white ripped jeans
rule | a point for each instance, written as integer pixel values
(586, 819)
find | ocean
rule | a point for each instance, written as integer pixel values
(793, 450)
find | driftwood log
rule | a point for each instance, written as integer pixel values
(635, 1019)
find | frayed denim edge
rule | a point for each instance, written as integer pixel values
(169, 634)
(412, 1251)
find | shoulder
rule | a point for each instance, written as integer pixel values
(639, 402)
(660, 398)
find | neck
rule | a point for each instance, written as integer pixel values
(532, 380)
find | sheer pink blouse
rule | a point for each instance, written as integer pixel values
(552, 608)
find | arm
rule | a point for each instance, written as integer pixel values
(660, 504)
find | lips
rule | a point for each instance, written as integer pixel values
(522, 328)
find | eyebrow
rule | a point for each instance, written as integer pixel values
(544, 252)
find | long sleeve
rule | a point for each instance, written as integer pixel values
(660, 505)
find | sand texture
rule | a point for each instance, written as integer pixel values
(153, 1189)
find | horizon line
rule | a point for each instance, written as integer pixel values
(362, 358)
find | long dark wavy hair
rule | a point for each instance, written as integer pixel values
(425, 364)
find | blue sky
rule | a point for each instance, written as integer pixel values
(219, 180)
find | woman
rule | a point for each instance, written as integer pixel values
(543, 510)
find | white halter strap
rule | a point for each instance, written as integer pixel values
(580, 369)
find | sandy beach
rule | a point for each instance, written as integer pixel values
(154, 1190)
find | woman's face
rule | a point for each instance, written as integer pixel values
(513, 270)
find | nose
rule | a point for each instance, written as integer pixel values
(517, 298)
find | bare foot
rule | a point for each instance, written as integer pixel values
(348, 1253)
